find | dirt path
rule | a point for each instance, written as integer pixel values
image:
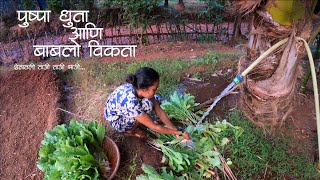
(27, 101)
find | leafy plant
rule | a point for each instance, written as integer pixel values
(136, 13)
(73, 152)
(182, 158)
(180, 107)
(201, 152)
(151, 173)
(213, 11)
(197, 76)
(56, 6)
(179, 160)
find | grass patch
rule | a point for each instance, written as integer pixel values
(171, 71)
(102, 75)
(256, 157)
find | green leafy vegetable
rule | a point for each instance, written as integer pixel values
(182, 158)
(151, 174)
(180, 107)
(73, 152)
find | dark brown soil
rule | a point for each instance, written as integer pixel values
(135, 152)
(28, 100)
(209, 88)
(302, 124)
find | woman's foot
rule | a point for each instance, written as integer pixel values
(137, 133)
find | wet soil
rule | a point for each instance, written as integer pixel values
(135, 152)
(209, 88)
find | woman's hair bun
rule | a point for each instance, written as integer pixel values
(131, 78)
(143, 78)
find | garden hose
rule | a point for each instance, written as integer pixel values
(315, 89)
(264, 55)
(239, 78)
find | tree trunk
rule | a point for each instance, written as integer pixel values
(166, 3)
(269, 90)
(236, 28)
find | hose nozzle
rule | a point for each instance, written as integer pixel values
(238, 79)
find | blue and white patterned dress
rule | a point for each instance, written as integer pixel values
(123, 106)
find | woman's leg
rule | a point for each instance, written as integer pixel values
(134, 127)
(135, 131)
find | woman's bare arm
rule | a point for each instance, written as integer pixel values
(146, 120)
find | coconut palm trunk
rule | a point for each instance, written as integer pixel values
(270, 89)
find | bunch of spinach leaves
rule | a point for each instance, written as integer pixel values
(180, 107)
(73, 152)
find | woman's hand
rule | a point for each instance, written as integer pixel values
(147, 121)
(185, 135)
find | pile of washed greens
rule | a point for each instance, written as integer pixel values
(74, 151)
(193, 160)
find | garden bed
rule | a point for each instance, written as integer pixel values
(27, 108)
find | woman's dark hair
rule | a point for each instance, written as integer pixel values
(143, 78)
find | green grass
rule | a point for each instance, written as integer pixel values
(102, 75)
(171, 71)
(197, 76)
(254, 152)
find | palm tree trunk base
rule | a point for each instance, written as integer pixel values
(268, 114)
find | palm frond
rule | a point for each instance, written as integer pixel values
(243, 7)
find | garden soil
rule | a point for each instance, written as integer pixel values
(134, 152)
(28, 100)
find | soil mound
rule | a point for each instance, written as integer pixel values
(28, 102)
